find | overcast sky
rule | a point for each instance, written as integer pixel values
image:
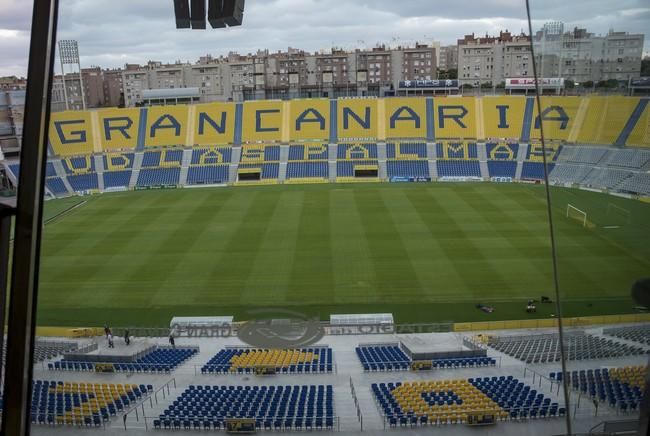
(114, 32)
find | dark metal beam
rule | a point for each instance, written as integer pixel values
(5, 228)
(28, 225)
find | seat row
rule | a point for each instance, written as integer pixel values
(640, 333)
(277, 407)
(545, 348)
(439, 402)
(159, 360)
(620, 388)
(390, 357)
(81, 404)
(289, 361)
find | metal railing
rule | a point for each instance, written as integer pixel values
(278, 424)
(150, 398)
(356, 405)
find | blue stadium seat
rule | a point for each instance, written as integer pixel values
(245, 360)
(502, 168)
(272, 407)
(159, 360)
(458, 168)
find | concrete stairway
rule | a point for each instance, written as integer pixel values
(381, 160)
(135, 172)
(60, 171)
(284, 158)
(185, 165)
(331, 159)
(99, 169)
(234, 163)
(521, 157)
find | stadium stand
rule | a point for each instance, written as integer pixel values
(533, 166)
(502, 168)
(307, 161)
(492, 116)
(502, 159)
(260, 161)
(289, 361)
(80, 172)
(615, 120)
(457, 159)
(46, 349)
(117, 169)
(56, 185)
(71, 133)
(209, 166)
(407, 159)
(390, 357)
(636, 333)
(80, 403)
(407, 168)
(271, 407)
(569, 174)
(406, 150)
(582, 154)
(459, 401)
(620, 388)
(606, 178)
(382, 357)
(361, 151)
(544, 348)
(458, 168)
(605, 119)
(52, 181)
(501, 151)
(639, 183)
(628, 158)
(357, 160)
(160, 168)
(159, 360)
(159, 177)
(457, 150)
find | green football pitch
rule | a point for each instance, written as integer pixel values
(424, 252)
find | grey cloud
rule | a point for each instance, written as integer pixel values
(15, 14)
(111, 33)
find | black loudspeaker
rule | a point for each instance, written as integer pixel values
(182, 13)
(233, 12)
(197, 14)
(215, 13)
(225, 12)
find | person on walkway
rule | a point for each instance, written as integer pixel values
(127, 339)
(107, 331)
(110, 340)
(171, 341)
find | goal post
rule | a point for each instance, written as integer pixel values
(617, 215)
(573, 212)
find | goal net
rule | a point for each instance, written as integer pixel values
(573, 212)
(617, 216)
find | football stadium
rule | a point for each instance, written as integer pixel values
(278, 215)
(422, 208)
(459, 260)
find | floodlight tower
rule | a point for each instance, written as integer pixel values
(69, 55)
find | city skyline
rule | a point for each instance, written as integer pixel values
(105, 40)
